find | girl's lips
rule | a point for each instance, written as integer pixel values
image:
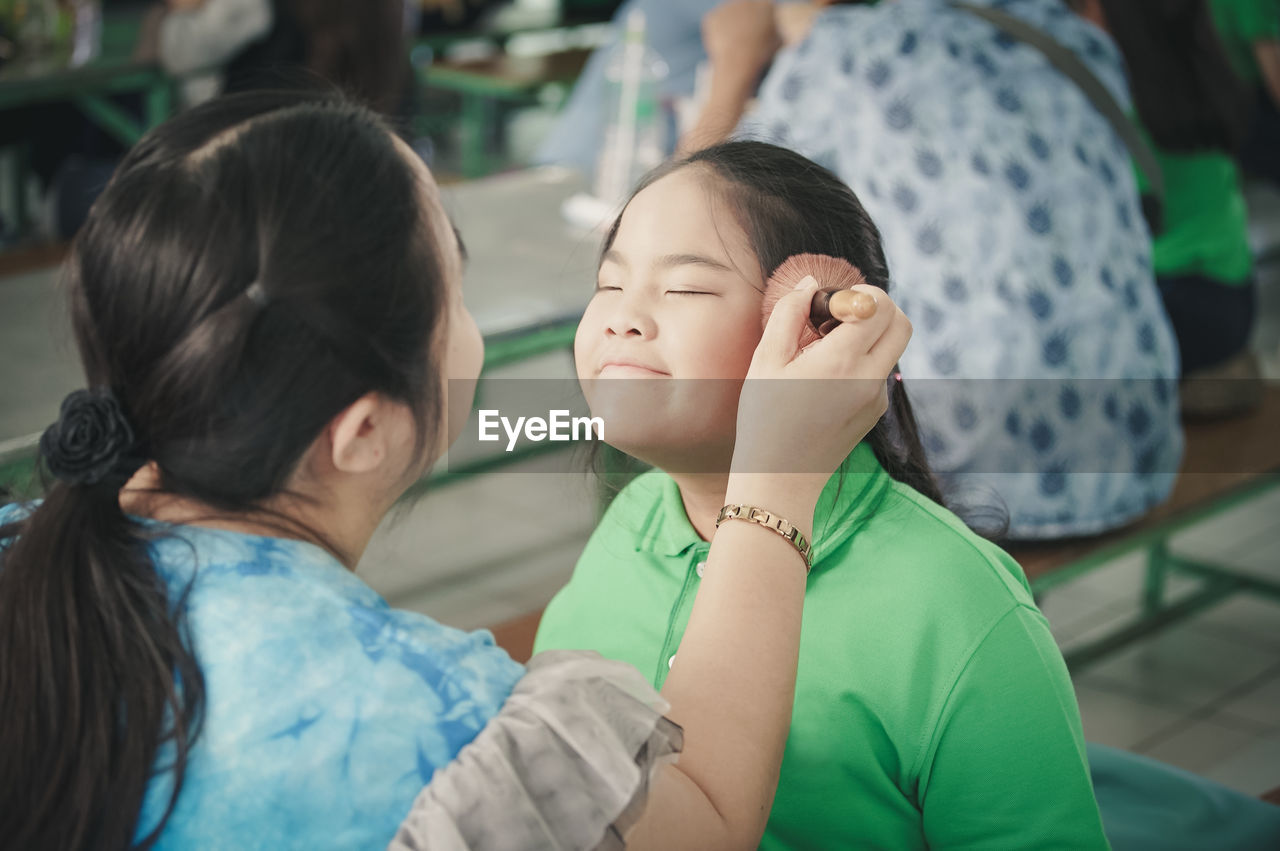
(621, 369)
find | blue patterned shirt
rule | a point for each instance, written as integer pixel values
(1043, 368)
(327, 710)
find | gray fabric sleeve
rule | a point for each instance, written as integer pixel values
(566, 764)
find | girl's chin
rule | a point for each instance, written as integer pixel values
(673, 457)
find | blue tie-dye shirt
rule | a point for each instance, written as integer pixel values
(1043, 367)
(327, 710)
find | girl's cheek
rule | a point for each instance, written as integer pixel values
(727, 355)
(739, 347)
(584, 343)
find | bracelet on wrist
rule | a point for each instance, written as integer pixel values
(736, 511)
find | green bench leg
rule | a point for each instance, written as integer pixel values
(1149, 623)
(118, 123)
(18, 162)
(477, 118)
(1217, 583)
(1157, 572)
(159, 103)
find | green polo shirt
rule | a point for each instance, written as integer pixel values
(1206, 223)
(1242, 23)
(933, 708)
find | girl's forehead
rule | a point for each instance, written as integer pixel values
(682, 212)
(682, 194)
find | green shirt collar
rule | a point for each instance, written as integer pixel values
(849, 498)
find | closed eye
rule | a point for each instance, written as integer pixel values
(688, 292)
(605, 288)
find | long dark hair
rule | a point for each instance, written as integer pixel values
(362, 47)
(254, 267)
(1185, 91)
(786, 205)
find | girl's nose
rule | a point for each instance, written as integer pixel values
(630, 319)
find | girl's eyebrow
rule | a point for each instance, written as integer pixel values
(670, 261)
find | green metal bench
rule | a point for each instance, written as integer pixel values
(41, 79)
(1227, 463)
(25, 81)
(485, 84)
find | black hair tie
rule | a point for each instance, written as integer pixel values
(90, 441)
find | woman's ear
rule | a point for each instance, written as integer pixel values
(368, 432)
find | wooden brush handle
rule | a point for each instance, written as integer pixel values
(832, 306)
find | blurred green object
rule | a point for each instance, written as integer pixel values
(97, 61)
(39, 25)
(486, 85)
(1241, 24)
(87, 70)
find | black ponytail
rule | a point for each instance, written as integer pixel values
(254, 267)
(91, 647)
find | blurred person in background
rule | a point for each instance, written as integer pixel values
(674, 31)
(238, 45)
(1045, 372)
(437, 16)
(1250, 33)
(360, 47)
(226, 46)
(205, 42)
(1195, 112)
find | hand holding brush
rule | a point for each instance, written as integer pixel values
(835, 302)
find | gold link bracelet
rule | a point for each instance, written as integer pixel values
(769, 521)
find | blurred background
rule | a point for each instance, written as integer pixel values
(1173, 617)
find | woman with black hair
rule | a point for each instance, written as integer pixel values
(267, 303)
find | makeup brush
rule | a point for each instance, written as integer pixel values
(836, 302)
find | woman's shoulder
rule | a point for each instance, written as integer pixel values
(326, 709)
(273, 599)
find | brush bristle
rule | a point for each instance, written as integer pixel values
(830, 272)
